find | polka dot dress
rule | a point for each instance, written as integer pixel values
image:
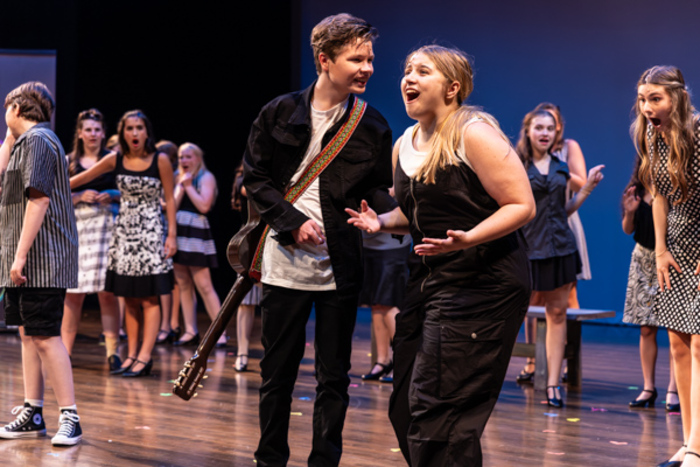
(679, 307)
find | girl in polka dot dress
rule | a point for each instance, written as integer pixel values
(667, 136)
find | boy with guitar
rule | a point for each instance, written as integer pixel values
(311, 154)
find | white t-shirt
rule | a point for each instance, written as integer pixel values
(304, 267)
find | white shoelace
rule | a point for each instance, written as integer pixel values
(67, 421)
(21, 418)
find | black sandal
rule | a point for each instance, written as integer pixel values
(672, 407)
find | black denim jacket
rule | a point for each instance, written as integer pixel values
(276, 145)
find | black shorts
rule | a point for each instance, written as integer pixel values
(38, 310)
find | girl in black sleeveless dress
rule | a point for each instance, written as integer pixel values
(463, 194)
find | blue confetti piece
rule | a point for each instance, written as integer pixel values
(549, 414)
(52, 454)
(304, 398)
(633, 388)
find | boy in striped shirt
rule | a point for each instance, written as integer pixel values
(38, 258)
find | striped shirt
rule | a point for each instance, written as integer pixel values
(38, 161)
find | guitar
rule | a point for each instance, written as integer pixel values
(240, 253)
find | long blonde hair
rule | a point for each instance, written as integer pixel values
(455, 66)
(681, 135)
(201, 168)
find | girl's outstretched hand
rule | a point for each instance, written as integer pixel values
(456, 240)
(366, 219)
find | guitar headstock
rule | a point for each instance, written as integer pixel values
(190, 376)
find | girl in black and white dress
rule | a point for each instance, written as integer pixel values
(140, 268)
(195, 193)
(95, 207)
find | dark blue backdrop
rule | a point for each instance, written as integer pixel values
(584, 56)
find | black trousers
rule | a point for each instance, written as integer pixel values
(285, 313)
(448, 374)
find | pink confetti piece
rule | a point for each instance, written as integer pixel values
(230, 354)
(143, 427)
(354, 385)
(619, 443)
(556, 453)
(543, 402)
(548, 431)
(308, 344)
(674, 413)
(598, 409)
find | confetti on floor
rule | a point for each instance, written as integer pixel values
(633, 387)
(556, 453)
(143, 427)
(172, 381)
(230, 354)
(395, 450)
(548, 431)
(166, 394)
(52, 454)
(354, 386)
(598, 409)
(549, 414)
(298, 414)
(574, 420)
(619, 443)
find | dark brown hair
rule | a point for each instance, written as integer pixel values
(332, 33)
(524, 146)
(150, 145)
(34, 100)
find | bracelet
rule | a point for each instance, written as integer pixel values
(659, 254)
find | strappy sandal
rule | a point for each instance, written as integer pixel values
(386, 369)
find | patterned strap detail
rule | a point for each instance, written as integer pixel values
(318, 165)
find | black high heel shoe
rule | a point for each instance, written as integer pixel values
(241, 364)
(554, 401)
(670, 463)
(649, 401)
(672, 407)
(114, 362)
(145, 371)
(122, 368)
(190, 342)
(168, 339)
(386, 369)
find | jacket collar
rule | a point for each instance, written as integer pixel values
(302, 114)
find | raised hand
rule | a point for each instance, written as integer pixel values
(595, 175)
(366, 219)
(630, 200)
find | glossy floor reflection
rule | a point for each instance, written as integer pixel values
(138, 422)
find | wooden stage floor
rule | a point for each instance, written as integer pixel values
(138, 422)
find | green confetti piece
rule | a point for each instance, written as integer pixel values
(633, 388)
(166, 394)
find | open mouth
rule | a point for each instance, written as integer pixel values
(135, 142)
(655, 121)
(411, 95)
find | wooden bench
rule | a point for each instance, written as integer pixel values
(572, 353)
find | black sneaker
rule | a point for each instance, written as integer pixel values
(28, 424)
(69, 432)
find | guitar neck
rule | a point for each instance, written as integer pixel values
(228, 309)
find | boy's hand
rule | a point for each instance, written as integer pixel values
(16, 271)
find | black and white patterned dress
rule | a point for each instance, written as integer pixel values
(679, 307)
(137, 266)
(642, 284)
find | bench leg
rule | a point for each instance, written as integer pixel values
(540, 382)
(573, 337)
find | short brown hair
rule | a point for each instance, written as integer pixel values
(34, 100)
(334, 32)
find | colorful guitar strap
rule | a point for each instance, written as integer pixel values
(318, 165)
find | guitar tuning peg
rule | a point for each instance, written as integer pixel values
(188, 364)
(195, 394)
(205, 376)
(200, 386)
